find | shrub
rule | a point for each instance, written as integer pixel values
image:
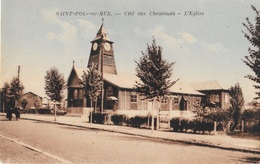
(251, 118)
(184, 125)
(98, 118)
(253, 128)
(197, 125)
(137, 121)
(44, 111)
(118, 119)
(31, 111)
(251, 115)
(175, 124)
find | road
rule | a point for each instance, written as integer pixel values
(27, 141)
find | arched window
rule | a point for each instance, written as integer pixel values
(75, 94)
(133, 97)
(81, 94)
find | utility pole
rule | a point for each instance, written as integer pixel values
(18, 76)
(18, 72)
(102, 73)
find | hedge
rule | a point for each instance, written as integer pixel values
(98, 118)
(118, 119)
(137, 121)
(197, 125)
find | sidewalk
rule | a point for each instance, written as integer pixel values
(215, 141)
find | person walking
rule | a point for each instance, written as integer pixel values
(17, 112)
(9, 113)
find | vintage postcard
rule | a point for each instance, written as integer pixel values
(49, 47)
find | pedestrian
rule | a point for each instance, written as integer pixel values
(17, 112)
(9, 113)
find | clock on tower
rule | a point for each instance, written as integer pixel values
(102, 53)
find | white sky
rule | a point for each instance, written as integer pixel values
(208, 47)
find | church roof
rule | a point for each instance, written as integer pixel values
(79, 71)
(121, 81)
(128, 82)
(101, 33)
(208, 85)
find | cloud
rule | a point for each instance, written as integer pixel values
(188, 37)
(172, 44)
(68, 31)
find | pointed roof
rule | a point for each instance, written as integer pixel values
(78, 71)
(208, 85)
(102, 33)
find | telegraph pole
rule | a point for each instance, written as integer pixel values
(101, 67)
(18, 72)
(18, 76)
(102, 74)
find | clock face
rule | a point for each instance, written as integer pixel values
(107, 46)
(95, 45)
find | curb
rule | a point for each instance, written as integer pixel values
(154, 137)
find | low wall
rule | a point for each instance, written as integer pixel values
(78, 111)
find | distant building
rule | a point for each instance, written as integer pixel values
(30, 100)
(120, 97)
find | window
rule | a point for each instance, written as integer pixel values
(133, 97)
(75, 94)
(81, 94)
(110, 92)
(176, 100)
(164, 100)
(197, 101)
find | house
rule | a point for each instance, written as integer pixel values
(120, 97)
(216, 95)
(30, 100)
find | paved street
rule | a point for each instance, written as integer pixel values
(59, 143)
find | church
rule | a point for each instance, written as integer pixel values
(119, 96)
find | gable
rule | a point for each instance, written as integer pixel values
(75, 76)
(30, 95)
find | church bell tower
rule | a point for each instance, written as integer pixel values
(102, 53)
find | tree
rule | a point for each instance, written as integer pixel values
(237, 103)
(54, 84)
(16, 88)
(253, 59)
(154, 74)
(5, 94)
(92, 83)
(24, 103)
